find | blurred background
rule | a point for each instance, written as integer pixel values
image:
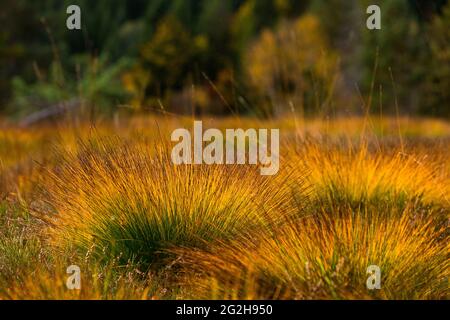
(224, 57)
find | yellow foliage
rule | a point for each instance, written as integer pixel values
(292, 62)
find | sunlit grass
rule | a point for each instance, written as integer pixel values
(350, 192)
(356, 175)
(130, 200)
(326, 257)
(96, 283)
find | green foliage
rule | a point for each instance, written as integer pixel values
(180, 44)
(438, 77)
(400, 53)
(94, 83)
(163, 62)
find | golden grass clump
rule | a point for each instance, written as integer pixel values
(130, 200)
(326, 257)
(358, 176)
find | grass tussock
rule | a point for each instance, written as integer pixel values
(131, 201)
(358, 176)
(142, 228)
(324, 257)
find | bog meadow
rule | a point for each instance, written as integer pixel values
(92, 101)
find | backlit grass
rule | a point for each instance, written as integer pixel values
(350, 193)
(130, 200)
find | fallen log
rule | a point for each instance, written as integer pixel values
(46, 113)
